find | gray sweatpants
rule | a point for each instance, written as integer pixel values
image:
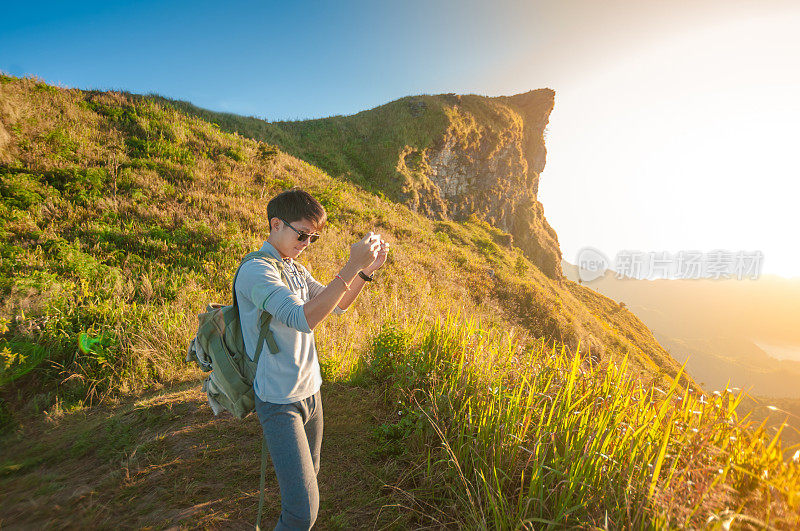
(294, 438)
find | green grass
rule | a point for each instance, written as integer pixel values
(541, 439)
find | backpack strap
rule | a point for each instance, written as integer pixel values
(264, 334)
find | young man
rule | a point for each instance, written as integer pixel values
(287, 384)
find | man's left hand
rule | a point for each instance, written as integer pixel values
(380, 259)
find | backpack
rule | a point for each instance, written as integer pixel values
(219, 347)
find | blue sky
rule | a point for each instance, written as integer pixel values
(675, 124)
(278, 60)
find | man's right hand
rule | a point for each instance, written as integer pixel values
(364, 251)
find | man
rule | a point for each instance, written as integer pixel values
(287, 384)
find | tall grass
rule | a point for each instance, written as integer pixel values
(510, 435)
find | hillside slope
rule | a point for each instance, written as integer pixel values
(710, 325)
(718, 327)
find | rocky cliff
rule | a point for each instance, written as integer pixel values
(487, 164)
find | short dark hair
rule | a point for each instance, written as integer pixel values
(295, 204)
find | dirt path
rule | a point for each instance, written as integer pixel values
(164, 461)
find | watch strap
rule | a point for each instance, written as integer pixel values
(365, 277)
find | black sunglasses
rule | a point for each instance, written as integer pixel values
(302, 236)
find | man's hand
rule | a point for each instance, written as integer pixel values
(365, 251)
(369, 252)
(380, 259)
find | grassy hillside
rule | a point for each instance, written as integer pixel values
(361, 148)
(122, 217)
(716, 327)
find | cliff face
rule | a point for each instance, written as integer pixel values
(487, 164)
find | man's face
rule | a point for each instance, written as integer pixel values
(284, 239)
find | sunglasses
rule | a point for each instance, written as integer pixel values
(302, 236)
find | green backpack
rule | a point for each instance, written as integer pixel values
(219, 347)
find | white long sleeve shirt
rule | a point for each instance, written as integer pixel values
(293, 373)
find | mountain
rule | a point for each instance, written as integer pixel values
(446, 156)
(456, 157)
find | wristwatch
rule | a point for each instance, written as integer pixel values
(365, 277)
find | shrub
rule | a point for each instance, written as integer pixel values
(63, 145)
(388, 350)
(17, 358)
(266, 151)
(521, 265)
(20, 190)
(234, 153)
(391, 437)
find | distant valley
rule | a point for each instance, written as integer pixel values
(712, 324)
